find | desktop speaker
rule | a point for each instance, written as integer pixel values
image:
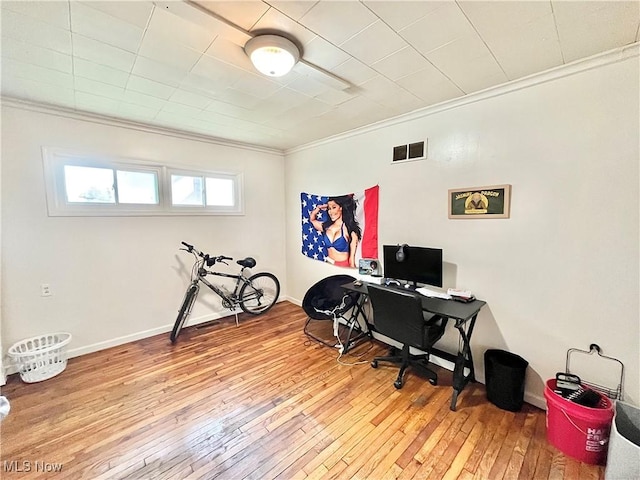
(369, 266)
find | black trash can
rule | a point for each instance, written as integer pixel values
(504, 376)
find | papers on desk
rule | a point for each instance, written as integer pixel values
(427, 292)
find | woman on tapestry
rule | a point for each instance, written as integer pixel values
(340, 232)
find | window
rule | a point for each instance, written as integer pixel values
(202, 190)
(84, 185)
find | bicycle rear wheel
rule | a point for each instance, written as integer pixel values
(259, 294)
(185, 311)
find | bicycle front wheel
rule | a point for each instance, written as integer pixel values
(259, 293)
(185, 311)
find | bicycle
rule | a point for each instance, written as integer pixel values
(254, 295)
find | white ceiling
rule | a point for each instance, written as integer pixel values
(168, 64)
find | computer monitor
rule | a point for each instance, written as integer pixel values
(419, 265)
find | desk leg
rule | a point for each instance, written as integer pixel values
(464, 359)
(352, 321)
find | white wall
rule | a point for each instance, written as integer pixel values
(563, 271)
(118, 278)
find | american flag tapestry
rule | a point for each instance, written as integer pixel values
(340, 229)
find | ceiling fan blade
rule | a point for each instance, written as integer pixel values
(310, 70)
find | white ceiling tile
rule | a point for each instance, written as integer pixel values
(139, 98)
(256, 85)
(169, 53)
(400, 14)
(275, 21)
(217, 71)
(27, 71)
(102, 53)
(213, 116)
(165, 27)
(401, 63)
(180, 109)
(135, 12)
(286, 98)
(230, 53)
(308, 70)
(185, 97)
(491, 17)
(152, 69)
(37, 91)
(324, 54)
(36, 55)
(96, 103)
(374, 43)
(357, 109)
(528, 48)
(354, 71)
(228, 109)
(137, 113)
(337, 21)
(54, 13)
(565, 11)
(468, 63)
(150, 87)
(585, 30)
(385, 92)
(199, 84)
(30, 30)
(430, 85)
(437, 28)
(95, 24)
(98, 88)
(334, 97)
(243, 13)
(308, 86)
(476, 82)
(236, 97)
(86, 69)
(293, 9)
(13, 86)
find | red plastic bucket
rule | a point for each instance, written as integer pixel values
(578, 431)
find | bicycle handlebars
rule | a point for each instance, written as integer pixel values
(210, 261)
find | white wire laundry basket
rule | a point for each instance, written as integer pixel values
(40, 358)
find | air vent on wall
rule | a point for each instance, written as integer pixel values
(412, 151)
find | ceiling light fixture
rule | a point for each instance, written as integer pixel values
(272, 55)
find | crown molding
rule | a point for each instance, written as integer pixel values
(617, 55)
(48, 109)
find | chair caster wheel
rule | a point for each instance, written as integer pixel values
(374, 364)
(433, 381)
(397, 384)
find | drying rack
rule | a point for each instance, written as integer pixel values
(595, 349)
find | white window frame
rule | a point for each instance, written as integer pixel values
(55, 159)
(194, 209)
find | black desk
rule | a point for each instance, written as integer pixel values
(464, 315)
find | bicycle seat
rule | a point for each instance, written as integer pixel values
(247, 262)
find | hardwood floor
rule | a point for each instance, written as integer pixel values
(260, 401)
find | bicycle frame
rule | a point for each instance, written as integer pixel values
(199, 274)
(230, 297)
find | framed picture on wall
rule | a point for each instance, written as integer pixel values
(480, 202)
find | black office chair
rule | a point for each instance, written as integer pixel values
(398, 315)
(324, 300)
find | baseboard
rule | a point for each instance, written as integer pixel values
(114, 342)
(295, 301)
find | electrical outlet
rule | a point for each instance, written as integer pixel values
(45, 290)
